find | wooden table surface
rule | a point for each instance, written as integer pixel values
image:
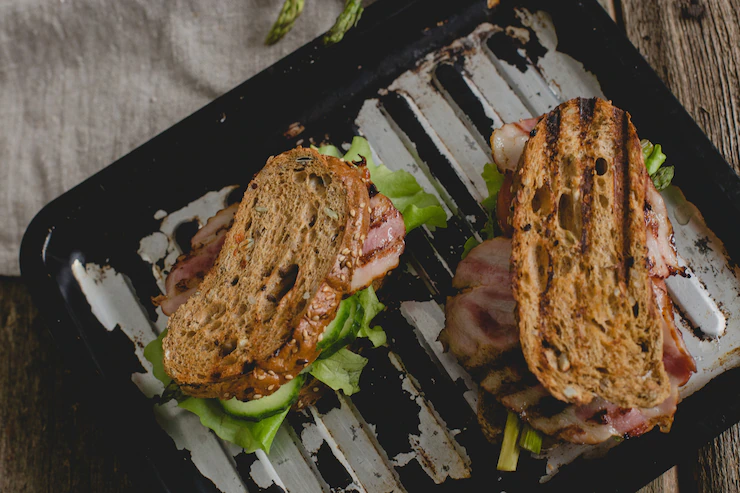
(49, 442)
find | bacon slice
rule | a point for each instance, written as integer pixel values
(507, 143)
(384, 244)
(479, 326)
(486, 264)
(480, 322)
(589, 424)
(677, 360)
(214, 228)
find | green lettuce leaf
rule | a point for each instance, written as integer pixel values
(369, 301)
(471, 243)
(375, 334)
(340, 371)
(494, 180)
(368, 307)
(416, 206)
(654, 160)
(329, 150)
(372, 307)
(249, 435)
(154, 353)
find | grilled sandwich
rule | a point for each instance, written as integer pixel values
(565, 321)
(250, 306)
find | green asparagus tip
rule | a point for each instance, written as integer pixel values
(284, 23)
(349, 18)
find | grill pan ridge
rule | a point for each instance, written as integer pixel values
(426, 93)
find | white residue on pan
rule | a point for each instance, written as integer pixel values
(114, 303)
(435, 449)
(160, 248)
(260, 476)
(566, 76)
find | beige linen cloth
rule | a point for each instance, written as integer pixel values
(83, 82)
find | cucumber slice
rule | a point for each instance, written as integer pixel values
(332, 331)
(265, 407)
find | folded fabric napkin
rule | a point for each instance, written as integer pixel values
(84, 82)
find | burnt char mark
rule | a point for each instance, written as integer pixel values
(587, 185)
(248, 367)
(621, 186)
(518, 51)
(510, 388)
(379, 215)
(547, 407)
(544, 298)
(626, 235)
(599, 417)
(552, 127)
(586, 109)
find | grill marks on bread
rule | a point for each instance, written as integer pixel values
(255, 320)
(586, 314)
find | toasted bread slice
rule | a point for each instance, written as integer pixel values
(587, 317)
(285, 265)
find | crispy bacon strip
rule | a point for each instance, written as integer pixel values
(214, 228)
(480, 326)
(662, 255)
(486, 264)
(677, 360)
(384, 244)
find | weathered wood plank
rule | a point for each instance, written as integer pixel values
(667, 483)
(48, 441)
(718, 466)
(694, 45)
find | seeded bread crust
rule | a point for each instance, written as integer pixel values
(586, 313)
(286, 263)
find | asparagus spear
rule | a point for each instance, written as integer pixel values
(284, 23)
(349, 18)
(530, 439)
(509, 455)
